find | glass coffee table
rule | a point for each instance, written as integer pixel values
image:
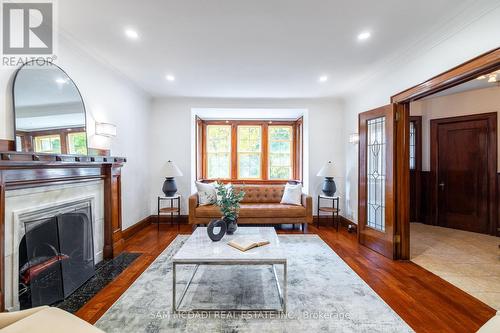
(200, 250)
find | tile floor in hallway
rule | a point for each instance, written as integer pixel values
(470, 261)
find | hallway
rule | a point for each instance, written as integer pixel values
(470, 261)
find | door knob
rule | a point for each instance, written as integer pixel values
(441, 185)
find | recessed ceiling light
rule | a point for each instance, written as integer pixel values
(323, 78)
(170, 77)
(132, 34)
(364, 35)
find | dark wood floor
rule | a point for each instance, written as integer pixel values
(425, 301)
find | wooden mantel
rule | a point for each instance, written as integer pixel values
(27, 170)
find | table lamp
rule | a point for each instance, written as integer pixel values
(169, 186)
(329, 188)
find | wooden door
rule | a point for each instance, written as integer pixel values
(377, 180)
(464, 162)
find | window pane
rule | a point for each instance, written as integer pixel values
(412, 145)
(77, 143)
(280, 152)
(48, 144)
(19, 143)
(218, 148)
(249, 152)
(376, 173)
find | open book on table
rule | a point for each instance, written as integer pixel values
(246, 243)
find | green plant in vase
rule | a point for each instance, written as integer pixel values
(229, 200)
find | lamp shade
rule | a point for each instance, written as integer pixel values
(172, 170)
(327, 170)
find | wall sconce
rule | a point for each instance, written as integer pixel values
(354, 138)
(105, 129)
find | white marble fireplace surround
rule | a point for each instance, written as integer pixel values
(30, 200)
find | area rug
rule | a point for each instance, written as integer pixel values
(324, 295)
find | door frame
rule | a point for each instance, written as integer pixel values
(467, 71)
(491, 118)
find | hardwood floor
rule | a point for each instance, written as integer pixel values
(425, 301)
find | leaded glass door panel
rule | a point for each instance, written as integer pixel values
(376, 180)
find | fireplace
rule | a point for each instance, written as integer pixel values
(30, 182)
(56, 253)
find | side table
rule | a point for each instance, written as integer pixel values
(169, 209)
(333, 209)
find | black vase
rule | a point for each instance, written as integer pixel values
(231, 225)
(169, 187)
(216, 224)
(329, 187)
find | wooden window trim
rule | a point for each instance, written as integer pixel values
(297, 150)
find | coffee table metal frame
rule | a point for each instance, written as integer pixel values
(228, 262)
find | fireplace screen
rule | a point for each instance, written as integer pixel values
(56, 257)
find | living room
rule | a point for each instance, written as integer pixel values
(233, 166)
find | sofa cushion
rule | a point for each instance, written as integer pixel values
(261, 193)
(256, 210)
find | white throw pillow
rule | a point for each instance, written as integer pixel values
(292, 195)
(207, 195)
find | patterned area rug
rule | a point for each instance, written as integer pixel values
(324, 295)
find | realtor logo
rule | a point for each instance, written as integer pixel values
(28, 28)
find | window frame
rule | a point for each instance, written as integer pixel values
(239, 153)
(205, 152)
(296, 151)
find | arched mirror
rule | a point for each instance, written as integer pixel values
(49, 111)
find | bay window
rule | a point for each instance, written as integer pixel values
(249, 151)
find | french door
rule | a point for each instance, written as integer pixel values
(377, 190)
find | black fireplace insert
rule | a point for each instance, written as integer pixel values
(56, 257)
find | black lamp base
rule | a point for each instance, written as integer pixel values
(169, 187)
(329, 188)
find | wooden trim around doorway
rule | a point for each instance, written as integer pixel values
(467, 71)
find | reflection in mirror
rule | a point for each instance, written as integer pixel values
(49, 111)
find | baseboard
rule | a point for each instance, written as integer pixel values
(145, 222)
(131, 231)
(325, 220)
(183, 219)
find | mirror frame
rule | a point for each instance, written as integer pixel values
(39, 63)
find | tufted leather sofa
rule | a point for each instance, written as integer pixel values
(261, 205)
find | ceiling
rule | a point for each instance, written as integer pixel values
(254, 49)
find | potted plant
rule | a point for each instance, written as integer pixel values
(229, 202)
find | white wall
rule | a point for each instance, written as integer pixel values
(171, 126)
(108, 97)
(454, 49)
(461, 104)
